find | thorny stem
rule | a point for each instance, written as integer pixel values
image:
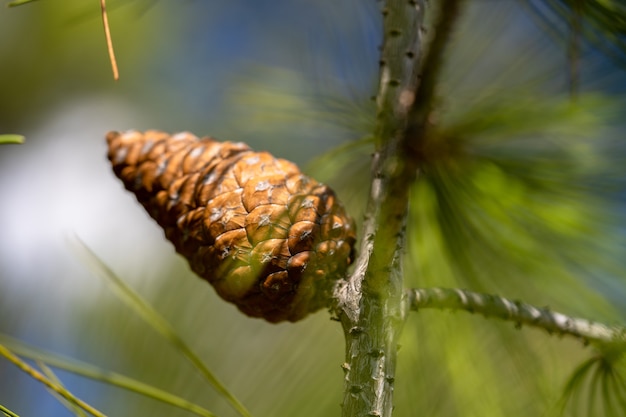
(370, 301)
(520, 313)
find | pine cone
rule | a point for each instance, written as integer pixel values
(268, 238)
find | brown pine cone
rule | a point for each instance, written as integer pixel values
(268, 238)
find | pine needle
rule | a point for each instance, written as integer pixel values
(7, 412)
(156, 321)
(107, 35)
(53, 377)
(47, 382)
(17, 139)
(93, 372)
(19, 3)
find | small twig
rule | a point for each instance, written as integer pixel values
(47, 382)
(515, 311)
(107, 35)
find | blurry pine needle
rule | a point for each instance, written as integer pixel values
(92, 372)
(107, 35)
(53, 377)
(155, 320)
(19, 3)
(7, 412)
(600, 22)
(16, 139)
(47, 382)
(598, 386)
(519, 181)
(345, 150)
(346, 167)
(516, 204)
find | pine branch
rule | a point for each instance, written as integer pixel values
(516, 311)
(370, 301)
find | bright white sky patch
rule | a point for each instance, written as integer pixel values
(60, 184)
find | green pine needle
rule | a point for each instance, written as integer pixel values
(15, 139)
(16, 3)
(602, 22)
(48, 372)
(156, 321)
(52, 385)
(93, 372)
(511, 195)
(7, 412)
(597, 386)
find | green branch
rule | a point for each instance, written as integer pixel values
(515, 311)
(370, 301)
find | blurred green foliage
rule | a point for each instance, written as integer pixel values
(58, 52)
(601, 22)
